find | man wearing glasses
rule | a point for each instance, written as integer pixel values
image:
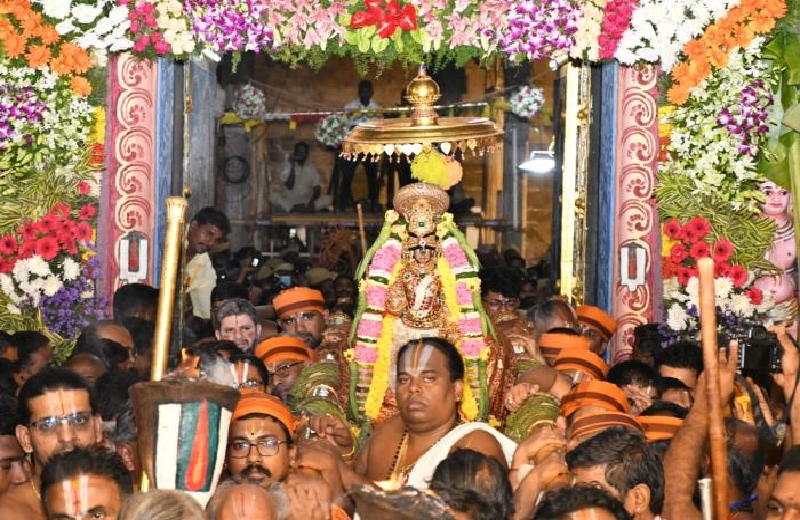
(250, 372)
(56, 415)
(285, 357)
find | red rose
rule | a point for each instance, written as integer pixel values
(83, 232)
(87, 212)
(738, 274)
(700, 226)
(683, 275)
(723, 250)
(689, 235)
(721, 269)
(672, 228)
(755, 295)
(47, 248)
(700, 250)
(678, 253)
(8, 244)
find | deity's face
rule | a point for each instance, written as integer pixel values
(60, 421)
(426, 396)
(266, 459)
(84, 496)
(777, 199)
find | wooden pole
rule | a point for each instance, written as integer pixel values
(362, 233)
(716, 426)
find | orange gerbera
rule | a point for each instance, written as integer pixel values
(14, 44)
(75, 58)
(37, 56)
(762, 23)
(48, 34)
(61, 66)
(718, 57)
(678, 94)
(694, 49)
(31, 24)
(5, 28)
(80, 86)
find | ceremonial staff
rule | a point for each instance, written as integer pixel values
(176, 211)
(716, 426)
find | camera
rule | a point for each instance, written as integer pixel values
(256, 262)
(759, 349)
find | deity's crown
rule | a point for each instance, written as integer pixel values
(421, 204)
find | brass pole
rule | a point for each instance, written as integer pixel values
(361, 232)
(176, 211)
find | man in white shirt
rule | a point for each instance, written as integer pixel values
(301, 185)
(208, 227)
(364, 103)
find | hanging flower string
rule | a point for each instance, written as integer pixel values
(540, 29)
(387, 19)
(616, 20)
(231, 25)
(747, 121)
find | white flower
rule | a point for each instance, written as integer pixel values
(86, 14)
(693, 289)
(38, 266)
(58, 9)
(7, 285)
(66, 27)
(52, 285)
(676, 317)
(21, 271)
(741, 306)
(72, 269)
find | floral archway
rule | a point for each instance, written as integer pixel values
(732, 80)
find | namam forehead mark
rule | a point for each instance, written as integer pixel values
(67, 401)
(417, 359)
(76, 496)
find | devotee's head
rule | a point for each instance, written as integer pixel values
(300, 152)
(125, 439)
(85, 483)
(236, 321)
(207, 228)
(661, 421)
(34, 354)
(646, 343)
(284, 357)
(260, 440)
(143, 332)
(745, 458)
(430, 382)
(137, 300)
(8, 348)
(634, 374)
(682, 360)
(621, 462)
(109, 341)
(302, 311)
(242, 502)
(56, 414)
(593, 396)
(88, 366)
(14, 469)
(784, 502)
(226, 290)
(580, 365)
(550, 314)
(674, 391)
(364, 91)
(550, 344)
(589, 424)
(474, 484)
(597, 326)
(161, 504)
(581, 503)
(500, 292)
(250, 373)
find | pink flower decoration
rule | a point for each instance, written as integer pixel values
(471, 347)
(470, 326)
(366, 354)
(463, 295)
(376, 296)
(455, 256)
(369, 328)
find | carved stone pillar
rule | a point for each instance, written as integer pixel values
(637, 254)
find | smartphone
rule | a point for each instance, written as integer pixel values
(293, 233)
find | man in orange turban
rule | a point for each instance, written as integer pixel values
(285, 357)
(593, 396)
(552, 343)
(597, 326)
(580, 365)
(301, 311)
